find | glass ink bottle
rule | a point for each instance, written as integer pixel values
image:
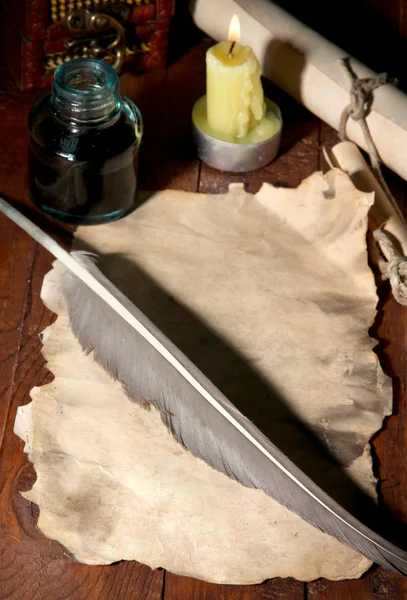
(84, 140)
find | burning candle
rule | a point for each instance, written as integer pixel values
(234, 94)
(235, 127)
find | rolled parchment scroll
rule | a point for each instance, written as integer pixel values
(307, 66)
(386, 222)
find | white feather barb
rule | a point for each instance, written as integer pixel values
(152, 370)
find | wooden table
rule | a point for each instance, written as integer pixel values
(34, 568)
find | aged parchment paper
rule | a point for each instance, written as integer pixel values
(272, 297)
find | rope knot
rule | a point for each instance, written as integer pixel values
(393, 267)
(361, 95)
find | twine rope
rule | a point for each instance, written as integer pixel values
(361, 100)
(393, 266)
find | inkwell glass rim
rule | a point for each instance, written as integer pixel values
(86, 91)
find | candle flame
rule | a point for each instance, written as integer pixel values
(234, 29)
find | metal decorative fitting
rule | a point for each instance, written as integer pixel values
(97, 35)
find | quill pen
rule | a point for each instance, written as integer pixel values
(153, 371)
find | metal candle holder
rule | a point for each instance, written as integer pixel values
(230, 156)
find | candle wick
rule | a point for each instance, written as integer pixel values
(231, 49)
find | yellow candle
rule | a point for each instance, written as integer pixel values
(234, 94)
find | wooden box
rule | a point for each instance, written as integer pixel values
(38, 35)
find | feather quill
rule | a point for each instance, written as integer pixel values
(153, 370)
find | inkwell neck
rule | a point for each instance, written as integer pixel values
(86, 92)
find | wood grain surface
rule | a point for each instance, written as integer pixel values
(34, 568)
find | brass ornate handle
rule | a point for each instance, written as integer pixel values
(81, 21)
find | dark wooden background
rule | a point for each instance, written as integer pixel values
(34, 568)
